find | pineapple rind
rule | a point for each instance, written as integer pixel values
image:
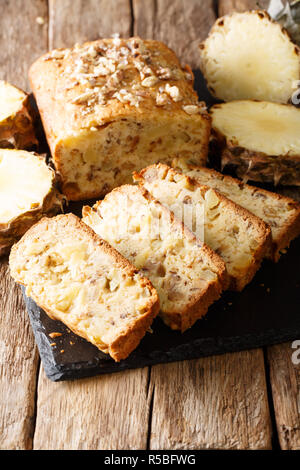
(15, 222)
(261, 140)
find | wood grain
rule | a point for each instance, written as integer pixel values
(18, 367)
(181, 24)
(218, 402)
(228, 6)
(106, 412)
(72, 21)
(284, 363)
(22, 39)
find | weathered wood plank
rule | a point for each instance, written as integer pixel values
(106, 412)
(77, 21)
(284, 362)
(18, 367)
(181, 24)
(228, 6)
(218, 402)
(22, 39)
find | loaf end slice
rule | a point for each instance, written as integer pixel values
(79, 279)
(238, 236)
(187, 274)
(281, 213)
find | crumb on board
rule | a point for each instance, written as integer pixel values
(62, 351)
(71, 343)
(55, 334)
(52, 344)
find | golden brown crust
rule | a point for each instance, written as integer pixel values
(64, 113)
(263, 230)
(124, 344)
(198, 304)
(290, 229)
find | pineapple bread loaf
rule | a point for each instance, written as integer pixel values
(250, 56)
(27, 193)
(79, 279)
(113, 106)
(259, 139)
(238, 236)
(187, 274)
(16, 118)
(281, 213)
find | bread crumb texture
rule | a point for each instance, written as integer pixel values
(79, 279)
(114, 105)
(186, 273)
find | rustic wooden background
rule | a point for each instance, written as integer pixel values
(245, 400)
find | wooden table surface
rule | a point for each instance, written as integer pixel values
(244, 400)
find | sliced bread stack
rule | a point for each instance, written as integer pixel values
(237, 235)
(281, 213)
(186, 273)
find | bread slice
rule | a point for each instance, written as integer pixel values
(281, 213)
(81, 280)
(187, 274)
(260, 140)
(249, 56)
(237, 235)
(16, 118)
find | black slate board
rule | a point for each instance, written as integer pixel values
(265, 313)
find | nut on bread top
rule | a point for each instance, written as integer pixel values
(90, 84)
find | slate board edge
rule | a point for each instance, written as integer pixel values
(202, 347)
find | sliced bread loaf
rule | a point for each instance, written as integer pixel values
(237, 235)
(281, 213)
(187, 274)
(81, 280)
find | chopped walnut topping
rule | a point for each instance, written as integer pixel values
(150, 81)
(191, 109)
(174, 92)
(161, 99)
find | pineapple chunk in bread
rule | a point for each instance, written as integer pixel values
(281, 213)
(111, 106)
(27, 193)
(260, 139)
(81, 280)
(187, 274)
(249, 56)
(237, 235)
(16, 123)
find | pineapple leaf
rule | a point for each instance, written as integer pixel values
(288, 15)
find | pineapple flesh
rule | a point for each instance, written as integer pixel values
(260, 139)
(16, 123)
(27, 193)
(249, 56)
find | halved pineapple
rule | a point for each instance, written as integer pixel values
(261, 139)
(249, 56)
(16, 123)
(27, 193)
